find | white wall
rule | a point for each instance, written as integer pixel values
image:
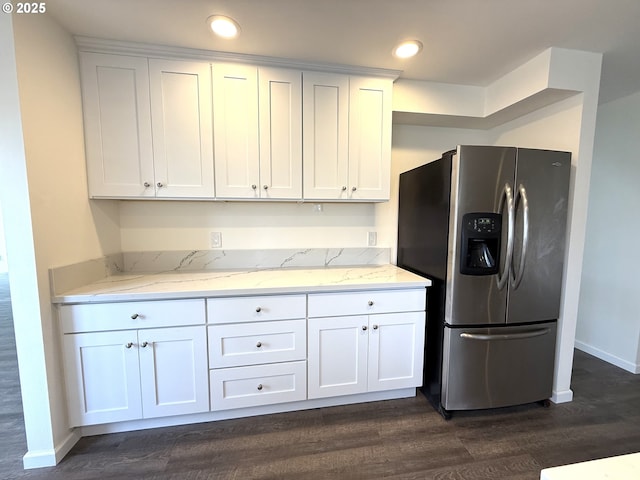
(608, 317)
(56, 224)
(4, 266)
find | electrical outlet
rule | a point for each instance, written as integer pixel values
(216, 239)
(372, 239)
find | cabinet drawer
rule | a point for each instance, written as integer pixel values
(258, 385)
(251, 309)
(367, 302)
(97, 317)
(259, 342)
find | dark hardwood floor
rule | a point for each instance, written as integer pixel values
(398, 439)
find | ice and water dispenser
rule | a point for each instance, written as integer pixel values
(481, 234)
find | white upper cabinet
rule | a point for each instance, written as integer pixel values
(347, 137)
(191, 129)
(325, 136)
(280, 133)
(257, 125)
(147, 127)
(369, 138)
(182, 132)
(117, 125)
(235, 114)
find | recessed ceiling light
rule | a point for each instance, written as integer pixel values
(224, 27)
(408, 49)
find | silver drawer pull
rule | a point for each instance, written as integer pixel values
(258, 309)
(259, 344)
(364, 327)
(375, 327)
(145, 344)
(259, 386)
(134, 316)
(370, 303)
(128, 345)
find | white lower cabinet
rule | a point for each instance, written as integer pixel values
(257, 350)
(130, 374)
(369, 352)
(140, 360)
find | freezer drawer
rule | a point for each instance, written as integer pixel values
(497, 366)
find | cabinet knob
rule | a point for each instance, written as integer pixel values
(375, 327)
(259, 344)
(134, 316)
(160, 184)
(266, 187)
(370, 303)
(364, 327)
(254, 186)
(128, 345)
(353, 189)
(258, 309)
(146, 184)
(145, 344)
(344, 188)
(259, 386)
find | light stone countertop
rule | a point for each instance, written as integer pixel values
(173, 285)
(623, 467)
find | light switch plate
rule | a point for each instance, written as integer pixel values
(372, 239)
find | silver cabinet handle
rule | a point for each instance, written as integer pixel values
(160, 184)
(505, 336)
(258, 309)
(344, 188)
(266, 187)
(128, 345)
(145, 344)
(134, 316)
(364, 327)
(259, 344)
(370, 303)
(375, 327)
(507, 196)
(353, 189)
(521, 199)
(254, 186)
(259, 386)
(146, 184)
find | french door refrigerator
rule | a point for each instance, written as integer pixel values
(487, 225)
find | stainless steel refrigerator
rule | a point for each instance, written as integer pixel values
(487, 225)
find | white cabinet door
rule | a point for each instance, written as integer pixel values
(117, 125)
(337, 356)
(280, 94)
(235, 119)
(369, 138)
(396, 350)
(102, 377)
(182, 132)
(173, 371)
(325, 136)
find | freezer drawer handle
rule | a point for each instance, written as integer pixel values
(506, 336)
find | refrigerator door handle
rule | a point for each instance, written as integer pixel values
(507, 196)
(521, 198)
(506, 336)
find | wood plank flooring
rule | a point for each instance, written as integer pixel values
(397, 439)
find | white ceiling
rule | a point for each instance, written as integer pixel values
(469, 42)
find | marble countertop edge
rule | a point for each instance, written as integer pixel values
(184, 285)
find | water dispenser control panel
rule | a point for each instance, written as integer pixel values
(480, 243)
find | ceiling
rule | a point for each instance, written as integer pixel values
(470, 42)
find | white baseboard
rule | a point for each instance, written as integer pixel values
(608, 357)
(50, 458)
(562, 397)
